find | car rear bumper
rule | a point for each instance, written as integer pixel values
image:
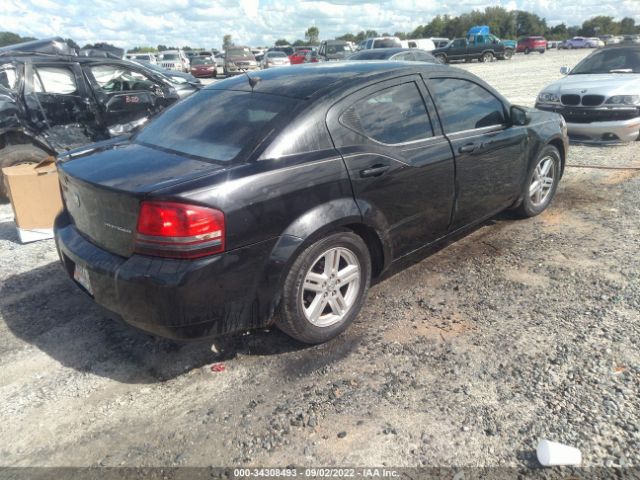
(180, 299)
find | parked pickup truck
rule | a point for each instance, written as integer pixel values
(482, 48)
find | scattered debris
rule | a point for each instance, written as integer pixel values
(342, 434)
(218, 367)
(552, 454)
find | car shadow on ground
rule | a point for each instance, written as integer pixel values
(44, 308)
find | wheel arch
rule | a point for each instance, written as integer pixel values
(327, 218)
(337, 215)
(558, 143)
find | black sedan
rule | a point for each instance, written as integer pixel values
(395, 54)
(278, 197)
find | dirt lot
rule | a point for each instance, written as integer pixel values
(521, 330)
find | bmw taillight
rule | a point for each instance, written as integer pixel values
(179, 230)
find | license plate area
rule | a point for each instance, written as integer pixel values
(81, 275)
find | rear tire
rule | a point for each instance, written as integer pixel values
(325, 288)
(527, 51)
(508, 54)
(486, 57)
(16, 155)
(542, 183)
(441, 58)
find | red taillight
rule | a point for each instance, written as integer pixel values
(179, 230)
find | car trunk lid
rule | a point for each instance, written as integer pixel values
(103, 203)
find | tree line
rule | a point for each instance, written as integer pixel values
(507, 24)
(503, 23)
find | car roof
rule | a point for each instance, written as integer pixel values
(389, 50)
(620, 45)
(307, 81)
(43, 58)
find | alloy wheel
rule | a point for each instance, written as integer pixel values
(330, 287)
(542, 181)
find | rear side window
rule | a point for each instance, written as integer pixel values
(393, 115)
(464, 105)
(216, 124)
(8, 77)
(58, 80)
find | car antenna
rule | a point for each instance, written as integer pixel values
(253, 81)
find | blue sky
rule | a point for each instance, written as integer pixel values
(260, 22)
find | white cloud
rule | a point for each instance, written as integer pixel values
(261, 22)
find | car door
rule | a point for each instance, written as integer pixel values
(127, 96)
(458, 49)
(489, 153)
(58, 102)
(400, 167)
(477, 45)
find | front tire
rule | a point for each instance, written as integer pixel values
(541, 184)
(325, 288)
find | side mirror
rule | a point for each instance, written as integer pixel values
(565, 70)
(519, 116)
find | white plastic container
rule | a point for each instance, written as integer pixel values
(551, 454)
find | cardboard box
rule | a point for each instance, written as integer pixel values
(35, 197)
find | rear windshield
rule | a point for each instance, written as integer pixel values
(201, 61)
(331, 49)
(239, 52)
(276, 54)
(216, 124)
(386, 43)
(373, 54)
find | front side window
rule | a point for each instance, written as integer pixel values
(115, 78)
(57, 80)
(464, 105)
(393, 115)
(216, 124)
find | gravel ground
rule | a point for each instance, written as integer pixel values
(521, 330)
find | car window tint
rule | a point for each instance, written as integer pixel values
(59, 80)
(115, 78)
(394, 115)
(216, 124)
(403, 57)
(8, 77)
(424, 57)
(464, 105)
